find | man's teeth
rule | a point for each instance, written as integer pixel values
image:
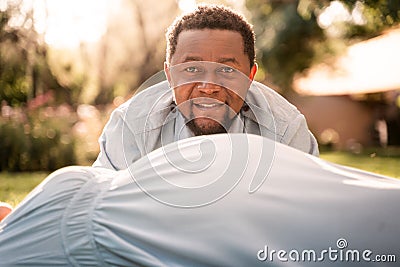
(203, 105)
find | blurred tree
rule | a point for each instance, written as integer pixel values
(143, 38)
(13, 83)
(294, 34)
(133, 48)
(24, 71)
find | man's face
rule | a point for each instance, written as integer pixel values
(209, 103)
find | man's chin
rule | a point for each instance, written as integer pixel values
(204, 126)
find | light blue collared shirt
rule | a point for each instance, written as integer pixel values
(150, 120)
(160, 214)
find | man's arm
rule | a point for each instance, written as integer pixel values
(124, 138)
(298, 135)
(117, 143)
(277, 114)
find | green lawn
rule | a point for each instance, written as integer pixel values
(386, 165)
(15, 186)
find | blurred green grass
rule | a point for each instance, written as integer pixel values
(385, 165)
(373, 162)
(15, 186)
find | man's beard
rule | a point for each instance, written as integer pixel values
(209, 125)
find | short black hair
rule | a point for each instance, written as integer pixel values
(212, 17)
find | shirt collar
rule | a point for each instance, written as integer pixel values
(182, 131)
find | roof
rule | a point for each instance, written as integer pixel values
(366, 67)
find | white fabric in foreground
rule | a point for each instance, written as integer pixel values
(218, 200)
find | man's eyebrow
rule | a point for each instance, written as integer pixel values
(228, 59)
(221, 60)
(192, 58)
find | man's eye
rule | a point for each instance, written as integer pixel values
(226, 69)
(192, 69)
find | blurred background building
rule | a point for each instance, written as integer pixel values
(356, 97)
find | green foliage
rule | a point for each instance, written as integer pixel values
(33, 140)
(12, 75)
(378, 16)
(290, 38)
(285, 40)
(24, 69)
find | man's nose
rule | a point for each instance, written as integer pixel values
(208, 88)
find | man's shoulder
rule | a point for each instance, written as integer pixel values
(263, 98)
(148, 101)
(146, 98)
(147, 109)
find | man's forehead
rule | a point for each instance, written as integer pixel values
(221, 34)
(223, 46)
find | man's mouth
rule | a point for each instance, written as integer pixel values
(206, 105)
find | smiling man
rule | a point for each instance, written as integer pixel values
(209, 101)
(210, 89)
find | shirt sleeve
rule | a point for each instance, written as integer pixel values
(48, 227)
(118, 147)
(298, 135)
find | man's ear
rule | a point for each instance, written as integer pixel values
(167, 72)
(253, 71)
(168, 75)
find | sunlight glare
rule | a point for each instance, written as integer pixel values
(336, 11)
(187, 5)
(357, 14)
(3, 5)
(67, 23)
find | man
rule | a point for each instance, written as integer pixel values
(210, 67)
(208, 201)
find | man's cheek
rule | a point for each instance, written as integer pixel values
(235, 101)
(182, 93)
(184, 107)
